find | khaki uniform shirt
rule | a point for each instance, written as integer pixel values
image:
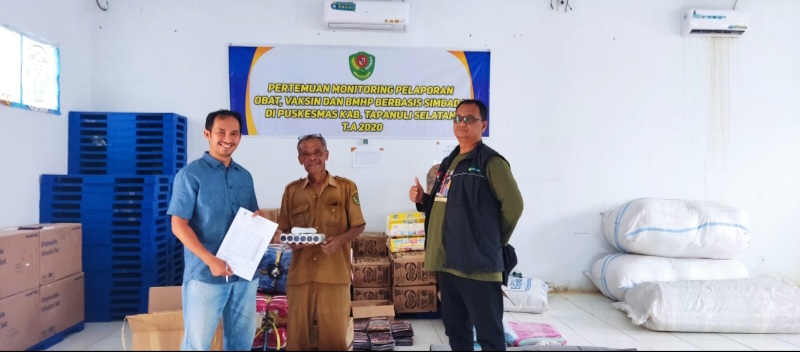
(331, 213)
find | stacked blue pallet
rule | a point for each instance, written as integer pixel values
(126, 236)
(120, 169)
(126, 143)
(176, 258)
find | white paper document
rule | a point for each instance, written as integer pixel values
(246, 242)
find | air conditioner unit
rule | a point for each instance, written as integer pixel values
(366, 15)
(715, 23)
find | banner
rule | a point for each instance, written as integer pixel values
(344, 92)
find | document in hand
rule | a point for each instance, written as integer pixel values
(246, 242)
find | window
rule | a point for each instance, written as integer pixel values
(29, 72)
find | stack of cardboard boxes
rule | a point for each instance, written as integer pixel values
(42, 290)
(413, 287)
(371, 275)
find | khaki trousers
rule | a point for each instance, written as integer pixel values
(331, 303)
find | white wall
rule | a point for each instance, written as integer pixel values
(592, 108)
(35, 143)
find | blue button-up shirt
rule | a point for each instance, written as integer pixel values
(208, 194)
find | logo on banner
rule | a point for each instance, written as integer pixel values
(361, 65)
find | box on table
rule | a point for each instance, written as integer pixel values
(19, 261)
(415, 299)
(61, 253)
(371, 244)
(372, 293)
(19, 320)
(371, 272)
(408, 269)
(162, 328)
(61, 305)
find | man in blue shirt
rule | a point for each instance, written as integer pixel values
(206, 196)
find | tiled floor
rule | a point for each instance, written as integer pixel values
(584, 319)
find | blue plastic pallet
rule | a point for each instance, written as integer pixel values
(146, 224)
(89, 194)
(97, 314)
(109, 239)
(150, 226)
(107, 179)
(98, 123)
(151, 252)
(119, 297)
(58, 337)
(124, 274)
(104, 216)
(134, 143)
(108, 200)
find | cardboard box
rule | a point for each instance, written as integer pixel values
(60, 251)
(431, 178)
(313, 337)
(371, 272)
(271, 214)
(408, 269)
(19, 321)
(415, 299)
(406, 244)
(371, 244)
(61, 305)
(372, 293)
(369, 309)
(19, 261)
(162, 328)
(405, 224)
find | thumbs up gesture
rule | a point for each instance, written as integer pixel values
(416, 192)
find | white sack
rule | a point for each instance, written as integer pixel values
(526, 295)
(616, 273)
(677, 228)
(758, 305)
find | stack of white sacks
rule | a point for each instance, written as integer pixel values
(678, 270)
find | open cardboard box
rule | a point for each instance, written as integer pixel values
(375, 308)
(161, 329)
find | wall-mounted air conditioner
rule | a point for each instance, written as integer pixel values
(715, 23)
(366, 15)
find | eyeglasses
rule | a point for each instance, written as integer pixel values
(466, 119)
(313, 135)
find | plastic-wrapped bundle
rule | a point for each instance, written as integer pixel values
(276, 310)
(286, 259)
(280, 284)
(275, 338)
(266, 283)
(509, 335)
(271, 267)
(272, 310)
(405, 224)
(530, 333)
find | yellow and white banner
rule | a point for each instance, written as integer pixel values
(354, 91)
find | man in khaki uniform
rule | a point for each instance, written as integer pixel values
(319, 275)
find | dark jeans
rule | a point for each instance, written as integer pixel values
(467, 302)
